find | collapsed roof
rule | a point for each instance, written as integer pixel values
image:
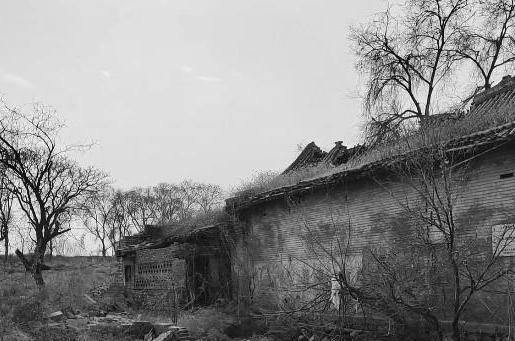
(494, 108)
(160, 236)
(312, 155)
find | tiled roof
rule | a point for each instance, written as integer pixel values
(168, 234)
(310, 155)
(500, 100)
(340, 154)
(492, 136)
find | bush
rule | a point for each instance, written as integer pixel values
(269, 180)
(207, 324)
(22, 304)
(28, 310)
(55, 334)
(67, 289)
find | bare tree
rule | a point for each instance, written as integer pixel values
(6, 204)
(121, 218)
(130, 211)
(140, 206)
(189, 199)
(488, 42)
(47, 184)
(209, 197)
(167, 203)
(23, 238)
(403, 277)
(72, 244)
(99, 217)
(406, 60)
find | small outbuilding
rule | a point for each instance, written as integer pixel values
(175, 265)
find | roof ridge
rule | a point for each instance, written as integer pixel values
(450, 145)
(484, 131)
(505, 84)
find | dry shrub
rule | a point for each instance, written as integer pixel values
(55, 334)
(28, 309)
(16, 306)
(207, 218)
(102, 335)
(70, 278)
(269, 180)
(67, 289)
(6, 322)
(206, 324)
(259, 182)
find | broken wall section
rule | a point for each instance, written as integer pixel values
(154, 279)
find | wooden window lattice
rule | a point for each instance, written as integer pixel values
(155, 275)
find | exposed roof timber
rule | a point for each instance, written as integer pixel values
(192, 236)
(500, 99)
(310, 155)
(474, 143)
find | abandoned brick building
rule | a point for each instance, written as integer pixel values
(167, 265)
(261, 263)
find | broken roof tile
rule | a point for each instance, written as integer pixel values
(310, 155)
(486, 138)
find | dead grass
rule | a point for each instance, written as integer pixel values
(212, 217)
(269, 180)
(22, 305)
(206, 324)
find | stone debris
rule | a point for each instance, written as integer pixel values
(100, 290)
(162, 327)
(166, 336)
(77, 324)
(149, 336)
(56, 316)
(139, 329)
(174, 333)
(16, 335)
(117, 323)
(90, 300)
(97, 313)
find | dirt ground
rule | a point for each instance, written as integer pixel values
(76, 305)
(24, 310)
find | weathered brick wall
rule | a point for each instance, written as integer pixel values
(161, 300)
(273, 252)
(118, 275)
(159, 269)
(159, 278)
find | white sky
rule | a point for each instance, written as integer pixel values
(208, 90)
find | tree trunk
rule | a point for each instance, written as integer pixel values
(456, 336)
(50, 249)
(38, 276)
(37, 262)
(35, 266)
(6, 241)
(104, 251)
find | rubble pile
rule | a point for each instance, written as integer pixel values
(115, 324)
(100, 290)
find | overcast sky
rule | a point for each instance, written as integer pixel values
(168, 90)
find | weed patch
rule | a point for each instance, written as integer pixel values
(207, 324)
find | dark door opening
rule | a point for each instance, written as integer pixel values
(127, 271)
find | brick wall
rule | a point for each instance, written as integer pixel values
(273, 253)
(159, 278)
(159, 269)
(160, 300)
